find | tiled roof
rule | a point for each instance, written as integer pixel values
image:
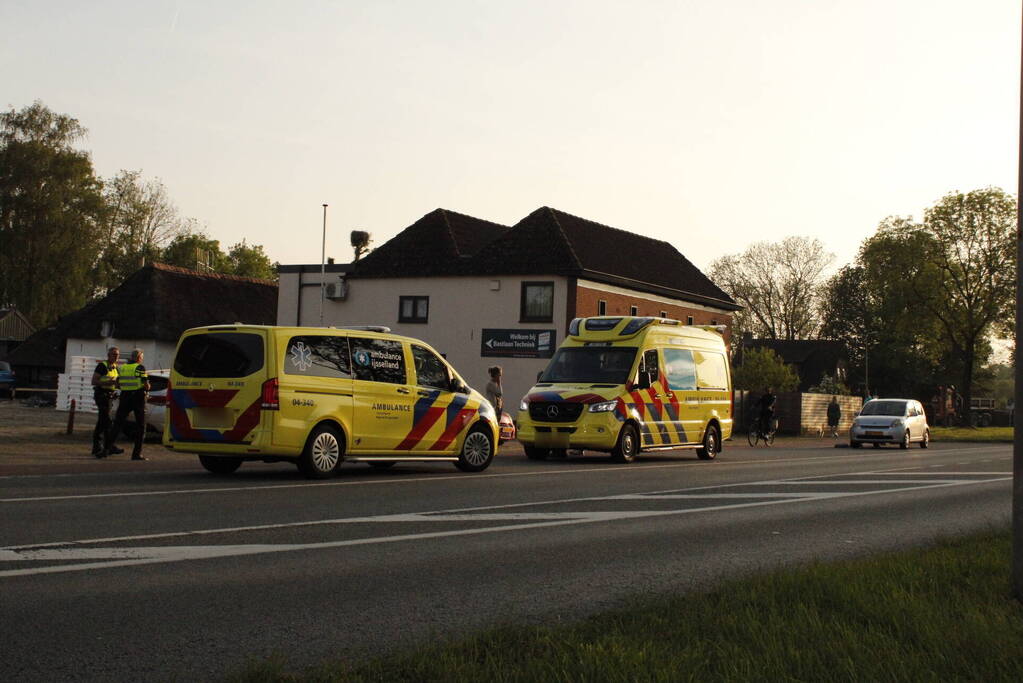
(436, 244)
(546, 242)
(156, 302)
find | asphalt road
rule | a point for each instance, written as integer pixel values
(168, 572)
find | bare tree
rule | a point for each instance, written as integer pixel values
(779, 286)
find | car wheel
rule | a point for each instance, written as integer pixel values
(218, 465)
(323, 453)
(477, 450)
(627, 447)
(855, 444)
(926, 441)
(904, 444)
(534, 453)
(381, 464)
(710, 444)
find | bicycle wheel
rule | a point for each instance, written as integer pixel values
(753, 435)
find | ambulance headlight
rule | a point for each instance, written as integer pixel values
(605, 407)
(524, 405)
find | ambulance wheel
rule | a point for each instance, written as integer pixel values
(710, 444)
(627, 447)
(477, 450)
(534, 453)
(219, 465)
(323, 452)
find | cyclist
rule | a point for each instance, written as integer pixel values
(766, 405)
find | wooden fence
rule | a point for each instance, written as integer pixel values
(797, 413)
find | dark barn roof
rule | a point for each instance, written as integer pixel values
(439, 243)
(546, 242)
(156, 302)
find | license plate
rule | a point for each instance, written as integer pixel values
(875, 434)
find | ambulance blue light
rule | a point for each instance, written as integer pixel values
(635, 325)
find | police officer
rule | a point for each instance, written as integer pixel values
(133, 382)
(104, 381)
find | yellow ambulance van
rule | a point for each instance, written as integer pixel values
(629, 384)
(321, 396)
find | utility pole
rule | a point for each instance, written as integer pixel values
(1017, 444)
(323, 264)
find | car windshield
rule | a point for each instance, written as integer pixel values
(891, 408)
(591, 364)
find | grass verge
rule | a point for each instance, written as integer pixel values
(937, 614)
(982, 434)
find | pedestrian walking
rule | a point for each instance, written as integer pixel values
(133, 382)
(834, 416)
(494, 391)
(104, 383)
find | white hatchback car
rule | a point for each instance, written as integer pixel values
(890, 420)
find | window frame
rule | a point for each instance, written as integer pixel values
(601, 307)
(415, 299)
(523, 318)
(633, 311)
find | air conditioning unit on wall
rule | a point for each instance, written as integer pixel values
(337, 290)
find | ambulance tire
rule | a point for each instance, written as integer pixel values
(218, 465)
(477, 450)
(627, 447)
(324, 451)
(711, 444)
(535, 453)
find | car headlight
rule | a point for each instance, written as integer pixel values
(605, 407)
(524, 405)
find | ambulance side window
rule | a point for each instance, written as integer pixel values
(378, 360)
(316, 356)
(649, 365)
(430, 370)
(711, 370)
(680, 368)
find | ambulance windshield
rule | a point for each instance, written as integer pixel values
(591, 364)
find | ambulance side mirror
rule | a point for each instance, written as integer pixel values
(644, 381)
(457, 386)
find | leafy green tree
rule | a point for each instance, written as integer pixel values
(250, 261)
(52, 213)
(829, 385)
(764, 368)
(195, 250)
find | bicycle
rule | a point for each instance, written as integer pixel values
(756, 435)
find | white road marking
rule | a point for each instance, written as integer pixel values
(123, 557)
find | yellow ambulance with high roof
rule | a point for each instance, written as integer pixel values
(630, 384)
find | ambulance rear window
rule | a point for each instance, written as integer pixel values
(220, 354)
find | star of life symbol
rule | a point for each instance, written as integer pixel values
(301, 357)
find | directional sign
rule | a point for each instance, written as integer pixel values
(518, 343)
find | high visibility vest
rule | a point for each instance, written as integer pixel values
(107, 379)
(132, 377)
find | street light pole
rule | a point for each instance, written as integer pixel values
(323, 264)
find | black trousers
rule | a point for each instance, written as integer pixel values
(132, 403)
(99, 434)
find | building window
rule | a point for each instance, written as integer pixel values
(713, 322)
(664, 314)
(633, 310)
(537, 302)
(689, 320)
(413, 309)
(601, 307)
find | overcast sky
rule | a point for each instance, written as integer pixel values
(711, 125)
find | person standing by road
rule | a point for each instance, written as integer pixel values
(494, 391)
(133, 382)
(834, 416)
(104, 382)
